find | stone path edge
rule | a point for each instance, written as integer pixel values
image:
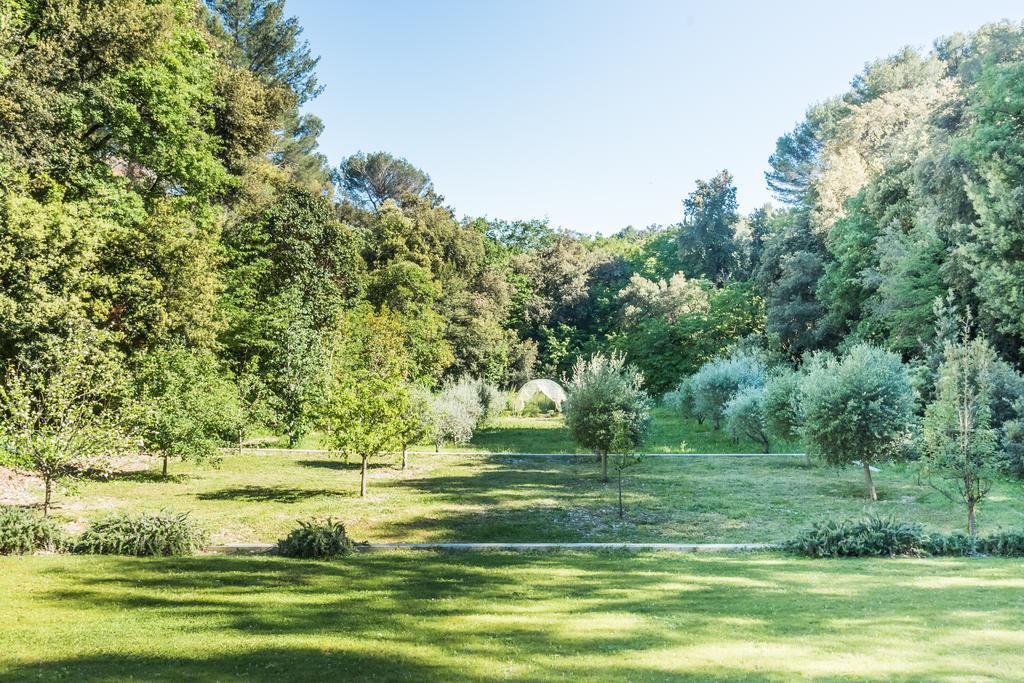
(267, 548)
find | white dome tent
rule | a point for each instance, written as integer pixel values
(547, 387)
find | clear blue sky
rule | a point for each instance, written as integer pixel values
(596, 114)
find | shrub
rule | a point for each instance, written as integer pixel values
(745, 418)
(23, 531)
(952, 545)
(316, 539)
(869, 537)
(142, 534)
(1005, 543)
(492, 400)
(680, 399)
(716, 382)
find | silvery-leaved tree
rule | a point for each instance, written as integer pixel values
(61, 410)
(858, 409)
(606, 408)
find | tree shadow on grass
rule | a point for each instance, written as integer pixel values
(266, 494)
(153, 476)
(340, 464)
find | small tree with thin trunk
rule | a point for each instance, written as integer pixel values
(960, 456)
(366, 397)
(606, 408)
(623, 457)
(60, 412)
(417, 420)
(858, 409)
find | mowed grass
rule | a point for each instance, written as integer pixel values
(526, 617)
(258, 498)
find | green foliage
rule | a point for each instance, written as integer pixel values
(321, 539)
(869, 537)
(859, 408)
(365, 404)
(960, 456)
(783, 419)
(719, 380)
(745, 415)
(606, 408)
(142, 534)
(706, 241)
(185, 405)
(371, 179)
(23, 531)
(61, 412)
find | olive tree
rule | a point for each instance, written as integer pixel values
(715, 383)
(457, 411)
(745, 416)
(858, 409)
(606, 408)
(960, 454)
(417, 420)
(60, 412)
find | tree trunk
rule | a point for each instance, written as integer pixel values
(405, 457)
(362, 479)
(241, 439)
(767, 445)
(971, 527)
(620, 494)
(49, 494)
(872, 494)
(165, 463)
(717, 423)
(604, 467)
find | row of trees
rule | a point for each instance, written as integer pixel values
(862, 408)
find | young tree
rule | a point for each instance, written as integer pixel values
(417, 420)
(456, 413)
(623, 458)
(858, 409)
(782, 406)
(960, 456)
(366, 398)
(185, 405)
(717, 382)
(745, 416)
(60, 412)
(606, 408)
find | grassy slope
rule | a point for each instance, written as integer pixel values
(540, 617)
(493, 498)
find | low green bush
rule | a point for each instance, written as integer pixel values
(316, 539)
(868, 537)
(24, 531)
(885, 537)
(141, 534)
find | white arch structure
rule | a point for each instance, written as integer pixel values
(547, 387)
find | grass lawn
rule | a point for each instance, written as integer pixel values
(258, 498)
(538, 617)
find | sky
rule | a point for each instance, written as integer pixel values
(596, 114)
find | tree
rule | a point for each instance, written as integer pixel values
(369, 180)
(745, 416)
(60, 413)
(960, 457)
(417, 419)
(457, 411)
(185, 405)
(782, 416)
(706, 240)
(717, 382)
(366, 398)
(858, 409)
(606, 408)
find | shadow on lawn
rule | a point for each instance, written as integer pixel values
(266, 494)
(545, 612)
(353, 464)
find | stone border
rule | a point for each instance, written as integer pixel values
(315, 451)
(269, 548)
